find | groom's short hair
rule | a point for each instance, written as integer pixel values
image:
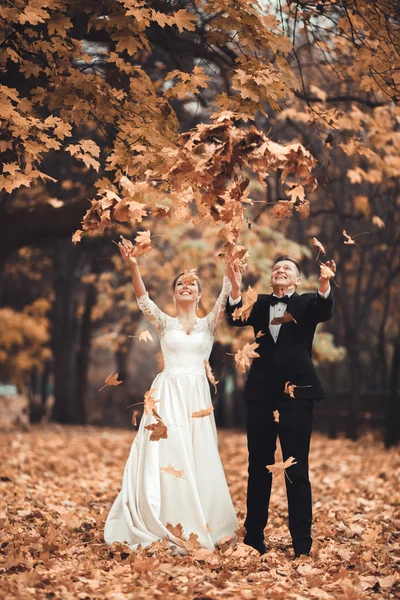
(289, 258)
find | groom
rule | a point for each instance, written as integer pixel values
(285, 356)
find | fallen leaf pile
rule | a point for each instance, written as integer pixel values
(57, 485)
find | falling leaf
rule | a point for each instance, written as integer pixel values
(158, 430)
(171, 471)
(249, 298)
(259, 334)
(349, 239)
(150, 402)
(205, 412)
(326, 272)
(318, 244)
(280, 467)
(126, 243)
(210, 375)
(276, 416)
(111, 380)
(244, 355)
(378, 221)
(77, 236)
(134, 417)
(290, 387)
(286, 318)
(143, 238)
(189, 277)
(145, 336)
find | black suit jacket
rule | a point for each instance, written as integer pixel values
(289, 359)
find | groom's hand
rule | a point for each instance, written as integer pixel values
(235, 276)
(326, 276)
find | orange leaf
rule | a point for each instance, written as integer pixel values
(135, 414)
(189, 277)
(280, 467)
(243, 356)
(289, 388)
(248, 299)
(318, 244)
(111, 380)
(286, 318)
(205, 412)
(210, 375)
(171, 471)
(276, 416)
(150, 402)
(326, 272)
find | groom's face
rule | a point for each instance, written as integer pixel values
(285, 275)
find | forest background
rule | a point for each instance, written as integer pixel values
(194, 121)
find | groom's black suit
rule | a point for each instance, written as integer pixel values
(287, 359)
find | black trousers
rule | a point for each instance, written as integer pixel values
(294, 430)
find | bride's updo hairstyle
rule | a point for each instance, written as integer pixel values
(180, 275)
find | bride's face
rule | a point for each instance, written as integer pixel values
(186, 293)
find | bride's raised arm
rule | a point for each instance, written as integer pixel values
(146, 305)
(216, 315)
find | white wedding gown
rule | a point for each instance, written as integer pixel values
(150, 498)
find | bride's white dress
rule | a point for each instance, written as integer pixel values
(151, 498)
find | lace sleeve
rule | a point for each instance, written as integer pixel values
(152, 312)
(215, 316)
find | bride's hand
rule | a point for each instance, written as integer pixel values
(127, 255)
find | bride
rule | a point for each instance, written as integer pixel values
(152, 496)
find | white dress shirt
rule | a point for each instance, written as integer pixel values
(276, 310)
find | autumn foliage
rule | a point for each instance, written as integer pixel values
(56, 547)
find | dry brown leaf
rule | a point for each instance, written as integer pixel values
(326, 272)
(249, 298)
(280, 467)
(286, 318)
(77, 236)
(205, 412)
(150, 402)
(112, 379)
(134, 417)
(145, 336)
(171, 471)
(276, 416)
(175, 530)
(259, 334)
(189, 277)
(378, 221)
(350, 239)
(318, 244)
(158, 430)
(210, 375)
(143, 238)
(290, 387)
(244, 356)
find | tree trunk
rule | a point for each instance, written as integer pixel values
(354, 405)
(68, 406)
(333, 399)
(392, 420)
(82, 364)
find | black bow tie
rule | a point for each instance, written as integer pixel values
(274, 300)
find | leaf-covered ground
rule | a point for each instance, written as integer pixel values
(57, 485)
